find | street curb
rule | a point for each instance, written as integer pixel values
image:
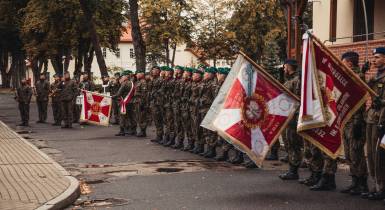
(67, 197)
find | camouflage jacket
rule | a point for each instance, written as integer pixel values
(186, 93)
(55, 91)
(207, 94)
(196, 90)
(177, 92)
(69, 90)
(376, 115)
(24, 94)
(87, 85)
(156, 95)
(140, 95)
(42, 90)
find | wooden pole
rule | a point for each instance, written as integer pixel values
(264, 72)
(344, 67)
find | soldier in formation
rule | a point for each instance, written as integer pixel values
(42, 92)
(23, 97)
(55, 100)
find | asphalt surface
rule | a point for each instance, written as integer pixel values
(132, 173)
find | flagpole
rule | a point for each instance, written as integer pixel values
(269, 76)
(346, 68)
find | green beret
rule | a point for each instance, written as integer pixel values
(222, 71)
(180, 68)
(198, 71)
(189, 69)
(126, 72)
(211, 70)
(164, 68)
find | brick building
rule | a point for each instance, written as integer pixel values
(341, 25)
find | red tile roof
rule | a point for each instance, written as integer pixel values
(126, 35)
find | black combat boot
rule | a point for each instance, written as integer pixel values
(189, 146)
(199, 148)
(221, 156)
(313, 179)
(121, 132)
(353, 186)
(292, 174)
(157, 139)
(250, 165)
(205, 151)
(273, 155)
(164, 140)
(327, 183)
(210, 152)
(178, 144)
(170, 142)
(362, 186)
(238, 158)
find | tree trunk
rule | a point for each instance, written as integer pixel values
(167, 48)
(139, 45)
(173, 55)
(88, 59)
(5, 76)
(18, 68)
(94, 37)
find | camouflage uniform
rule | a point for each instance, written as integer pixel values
(186, 114)
(196, 90)
(177, 112)
(23, 96)
(69, 91)
(207, 97)
(374, 131)
(114, 88)
(294, 141)
(156, 104)
(140, 102)
(42, 92)
(55, 102)
(169, 131)
(124, 121)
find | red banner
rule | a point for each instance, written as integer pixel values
(332, 93)
(96, 108)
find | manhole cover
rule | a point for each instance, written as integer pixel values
(169, 170)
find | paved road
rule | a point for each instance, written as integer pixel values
(132, 173)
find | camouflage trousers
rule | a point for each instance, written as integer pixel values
(294, 146)
(115, 110)
(141, 115)
(371, 147)
(178, 122)
(24, 112)
(209, 137)
(380, 167)
(186, 123)
(157, 116)
(42, 110)
(127, 121)
(56, 110)
(196, 129)
(354, 151)
(67, 112)
(169, 127)
(315, 157)
(321, 162)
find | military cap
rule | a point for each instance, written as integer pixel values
(156, 67)
(198, 71)
(164, 68)
(126, 72)
(223, 70)
(349, 54)
(180, 68)
(211, 70)
(117, 74)
(291, 62)
(379, 50)
(201, 66)
(189, 69)
(56, 75)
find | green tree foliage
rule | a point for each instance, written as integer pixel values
(167, 23)
(256, 22)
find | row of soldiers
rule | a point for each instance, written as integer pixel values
(176, 100)
(364, 130)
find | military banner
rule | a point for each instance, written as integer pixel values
(331, 93)
(254, 111)
(96, 108)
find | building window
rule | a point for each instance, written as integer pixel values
(359, 29)
(132, 53)
(333, 21)
(117, 53)
(104, 52)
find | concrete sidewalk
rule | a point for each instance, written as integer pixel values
(29, 179)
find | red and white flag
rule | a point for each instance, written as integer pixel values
(331, 94)
(251, 110)
(96, 108)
